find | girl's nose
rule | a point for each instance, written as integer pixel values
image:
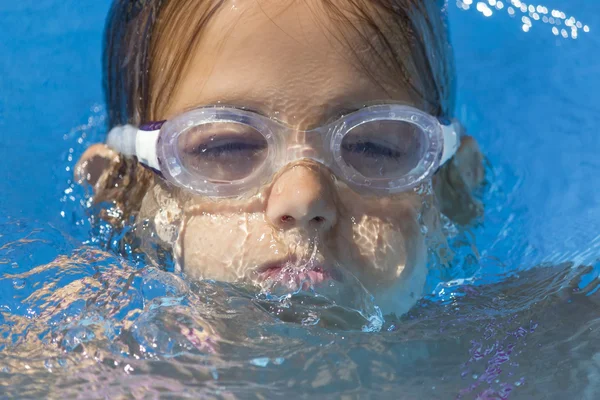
(303, 197)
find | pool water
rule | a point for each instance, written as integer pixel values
(82, 316)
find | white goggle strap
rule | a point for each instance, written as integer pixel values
(451, 141)
(131, 141)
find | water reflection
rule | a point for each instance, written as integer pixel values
(95, 324)
(566, 27)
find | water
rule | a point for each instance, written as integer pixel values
(519, 322)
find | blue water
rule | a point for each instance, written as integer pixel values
(78, 321)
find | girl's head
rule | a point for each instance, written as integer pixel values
(152, 46)
(303, 63)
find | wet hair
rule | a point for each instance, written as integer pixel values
(134, 53)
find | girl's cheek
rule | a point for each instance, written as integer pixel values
(385, 236)
(384, 244)
(167, 221)
(383, 249)
(394, 258)
(225, 247)
(211, 247)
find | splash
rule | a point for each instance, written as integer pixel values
(339, 303)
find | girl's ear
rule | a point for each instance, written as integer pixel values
(469, 162)
(94, 162)
(113, 178)
(455, 182)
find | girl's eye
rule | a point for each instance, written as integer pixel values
(222, 152)
(374, 150)
(386, 149)
(216, 148)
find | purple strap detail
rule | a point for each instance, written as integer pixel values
(157, 172)
(152, 126)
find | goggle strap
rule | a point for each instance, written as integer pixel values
(451, 141)
(145, 148)
(130, 141)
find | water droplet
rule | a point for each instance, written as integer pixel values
(260, 361)
(18, 283)
(520, 382)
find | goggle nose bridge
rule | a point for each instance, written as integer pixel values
(312, 144)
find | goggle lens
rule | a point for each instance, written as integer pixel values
(383, 149)
(227, 151)
(222, 152)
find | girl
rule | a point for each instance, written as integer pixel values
(286, 143)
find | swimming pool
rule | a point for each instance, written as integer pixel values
(518, 320)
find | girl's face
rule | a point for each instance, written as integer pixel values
(288, 62)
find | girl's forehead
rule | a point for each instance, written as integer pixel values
(288, 60)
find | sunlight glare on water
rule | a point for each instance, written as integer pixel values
(530, 14)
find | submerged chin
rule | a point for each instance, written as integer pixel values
(399, 291)
(404, 294)
(407, 290)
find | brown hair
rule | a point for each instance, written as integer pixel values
(136, 28)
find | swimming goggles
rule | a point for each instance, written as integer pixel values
(224, 151)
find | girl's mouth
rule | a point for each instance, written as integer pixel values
(295, 275)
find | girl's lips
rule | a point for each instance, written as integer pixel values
(293, 277)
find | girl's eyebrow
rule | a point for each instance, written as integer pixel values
(345, 111)
(222, 104)
(339, 112)
(329, 112)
